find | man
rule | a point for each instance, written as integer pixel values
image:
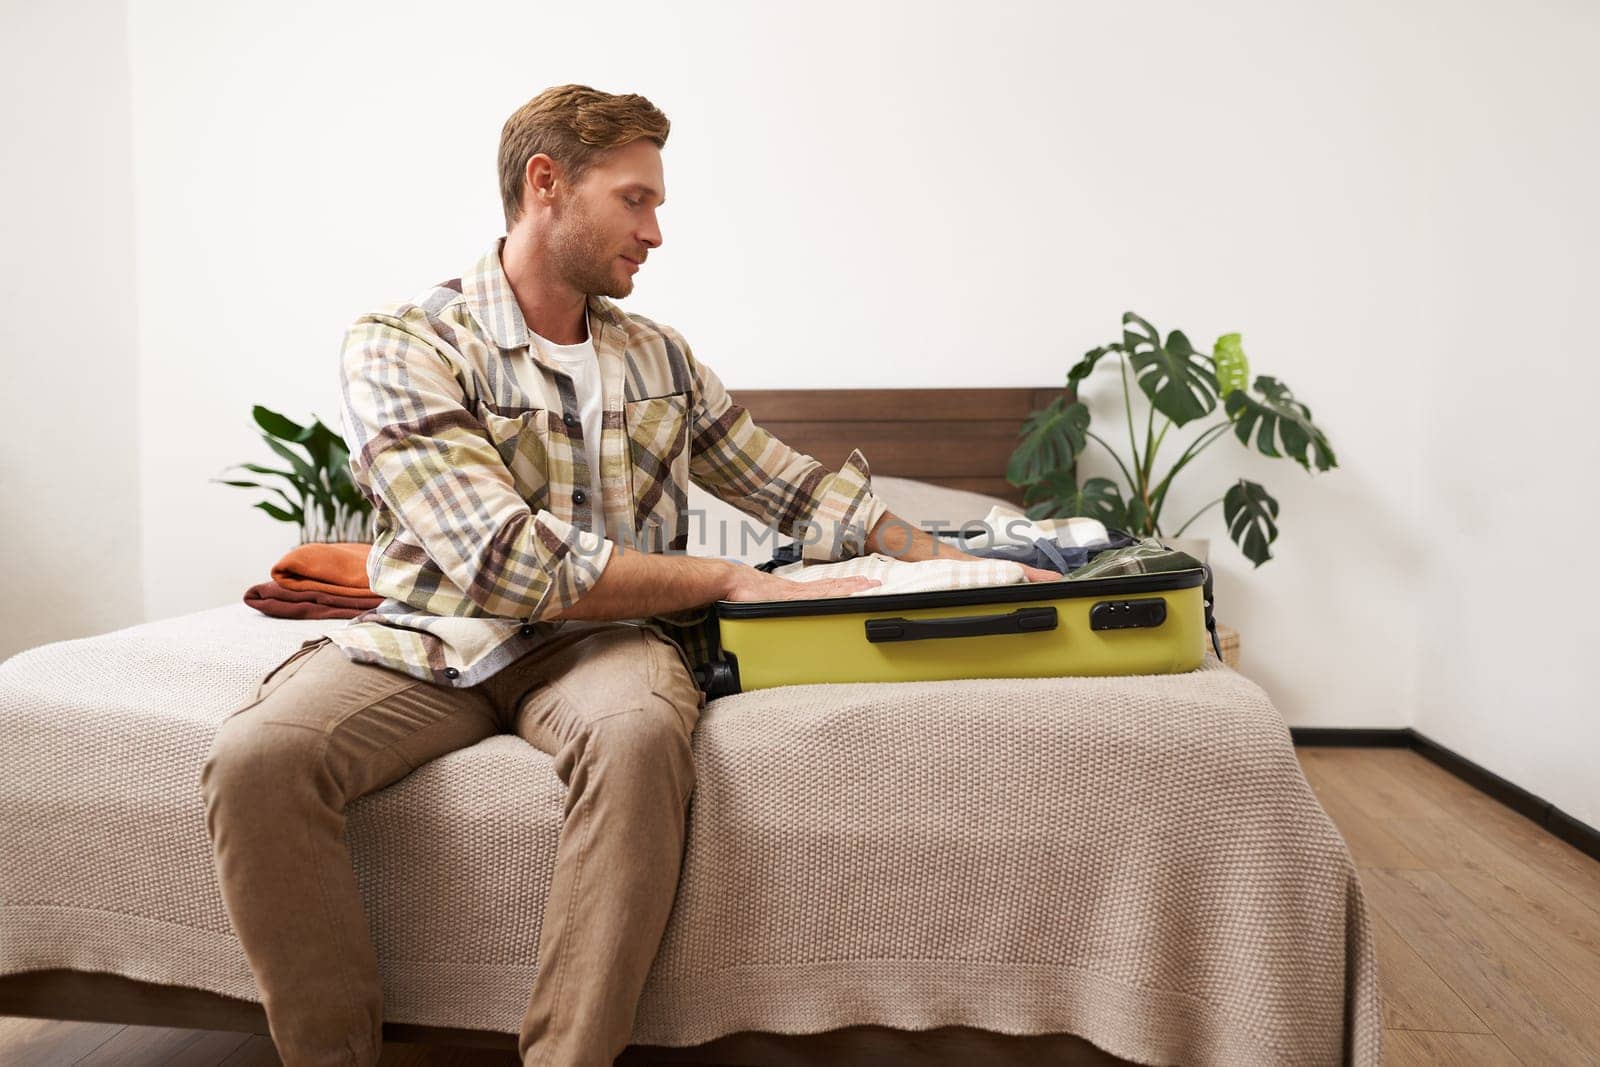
(527, 448)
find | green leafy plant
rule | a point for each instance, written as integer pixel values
(1184, 385)
(325, 502)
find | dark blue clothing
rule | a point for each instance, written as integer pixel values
(1046, 554)
(1042, 552)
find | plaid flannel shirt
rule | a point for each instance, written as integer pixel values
(480, 487)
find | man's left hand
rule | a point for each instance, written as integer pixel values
(1032, 574)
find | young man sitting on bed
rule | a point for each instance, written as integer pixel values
(527, 446)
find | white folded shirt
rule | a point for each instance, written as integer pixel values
(903, 576)
(1008, 526)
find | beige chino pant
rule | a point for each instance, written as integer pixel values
(612, 703)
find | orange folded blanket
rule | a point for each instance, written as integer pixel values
(337, 567)
(271, 598)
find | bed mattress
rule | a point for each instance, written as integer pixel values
(1134, 859)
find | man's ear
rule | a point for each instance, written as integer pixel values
(539, 177)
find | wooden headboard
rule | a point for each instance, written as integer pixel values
(960, 438)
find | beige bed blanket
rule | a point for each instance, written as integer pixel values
(1138, 861)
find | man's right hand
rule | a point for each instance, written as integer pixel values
(638, 584)
(747, 583)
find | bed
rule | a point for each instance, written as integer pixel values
(1086, 870)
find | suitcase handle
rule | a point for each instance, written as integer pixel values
(1021, 621)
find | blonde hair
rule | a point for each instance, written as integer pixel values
(575, 126)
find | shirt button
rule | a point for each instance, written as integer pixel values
(528, 630)
(451, 672)
(569, 420)
(578, 496)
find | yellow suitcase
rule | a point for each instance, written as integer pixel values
(1152, 618)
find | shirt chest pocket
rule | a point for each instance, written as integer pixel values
(522, 437)
(658, 453)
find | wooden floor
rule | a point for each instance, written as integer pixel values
(1487, 931)
(1487, 927)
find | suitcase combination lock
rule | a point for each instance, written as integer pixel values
(1128, 614)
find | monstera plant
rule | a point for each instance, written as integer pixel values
(325, 502)
(1184, 385)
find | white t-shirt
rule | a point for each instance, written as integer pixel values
(581, 362)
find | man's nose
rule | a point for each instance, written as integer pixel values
(650, 236)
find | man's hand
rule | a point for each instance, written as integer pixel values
(899, 539)
(1032, 574)
(751, 584)
(638, 584)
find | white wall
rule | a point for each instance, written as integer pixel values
(1391, 206)
(893, 199)
(70, 561)
(1508, 151)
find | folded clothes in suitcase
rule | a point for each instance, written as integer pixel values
(1138, 608)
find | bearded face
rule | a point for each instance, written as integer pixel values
(590, 236)
(594, 243)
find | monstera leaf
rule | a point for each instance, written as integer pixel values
(1081, 369)
(1279, 417)
(1174, 376)
(1250, 512)
(1233, 369)
(1051, 439)
(1184, 385)
(1058, 495)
